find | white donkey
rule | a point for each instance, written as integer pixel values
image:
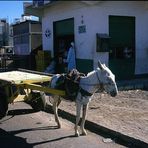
(101, 79)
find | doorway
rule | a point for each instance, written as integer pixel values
(122, 46)
(63, 36)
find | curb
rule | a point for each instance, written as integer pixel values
(133, 84)
(118, 137)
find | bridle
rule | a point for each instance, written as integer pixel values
(101, 85)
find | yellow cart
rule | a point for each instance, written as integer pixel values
(24, 85)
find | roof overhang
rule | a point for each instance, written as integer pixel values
(29, 9)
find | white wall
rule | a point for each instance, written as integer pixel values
(96, 20)
(142, 44)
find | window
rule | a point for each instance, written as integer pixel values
(102, 41)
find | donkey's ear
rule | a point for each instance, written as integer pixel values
(100, 65)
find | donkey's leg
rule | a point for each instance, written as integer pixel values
(78, 112)
(59, 101)
(56, 103)
(83, 119)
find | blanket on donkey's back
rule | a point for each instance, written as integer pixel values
(70, 84)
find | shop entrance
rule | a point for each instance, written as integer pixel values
(63, 36)
(122, 46)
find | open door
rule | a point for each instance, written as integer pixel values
(63, 36)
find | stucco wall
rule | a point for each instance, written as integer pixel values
(95, 18)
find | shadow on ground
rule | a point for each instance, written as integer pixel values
(8, 140)
(20, 112)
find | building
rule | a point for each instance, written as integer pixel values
(114, 32)
(27, 36)
(4, 32)
(10, 35)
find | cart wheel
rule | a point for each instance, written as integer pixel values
(37, 100)
(3, 104)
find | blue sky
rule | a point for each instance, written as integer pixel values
(11, 9)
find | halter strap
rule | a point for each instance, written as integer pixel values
(98, 78)
(100, 83)
(84, 92)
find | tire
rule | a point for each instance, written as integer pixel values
(3, 104)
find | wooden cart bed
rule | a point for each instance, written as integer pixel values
(17, 77)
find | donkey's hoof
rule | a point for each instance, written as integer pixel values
(84, 133)
(59, 125)
(77, 134)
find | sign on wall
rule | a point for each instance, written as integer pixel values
(47, 33)
(82, 29)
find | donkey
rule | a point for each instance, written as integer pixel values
(101, 79)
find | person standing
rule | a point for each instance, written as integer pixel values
(71, 58)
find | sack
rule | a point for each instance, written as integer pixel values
(72, 84)
(71, 89)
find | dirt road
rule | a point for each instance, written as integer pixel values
(126, 113)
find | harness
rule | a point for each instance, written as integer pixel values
(70, 83)
(73, 79)
(84, 93)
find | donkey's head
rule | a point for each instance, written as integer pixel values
(107, 79)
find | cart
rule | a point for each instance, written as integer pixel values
(25, 85)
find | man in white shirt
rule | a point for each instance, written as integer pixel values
(71, 58)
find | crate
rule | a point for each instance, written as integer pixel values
(44, 54)
(43, 59)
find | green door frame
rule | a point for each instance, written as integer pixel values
(63, 34)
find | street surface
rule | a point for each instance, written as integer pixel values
(24, 128)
